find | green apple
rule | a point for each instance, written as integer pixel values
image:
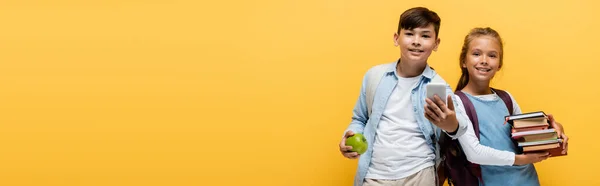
(358, 143)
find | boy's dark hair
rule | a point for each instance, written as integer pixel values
(419, 17)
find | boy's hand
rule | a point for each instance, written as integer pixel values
(345, 150)
(441, 115)
(560, 131)
(524, 159)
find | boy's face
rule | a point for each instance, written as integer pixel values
(417, 44)
(483, 58)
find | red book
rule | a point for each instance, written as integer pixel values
(555, 149)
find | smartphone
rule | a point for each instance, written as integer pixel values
(437, 89)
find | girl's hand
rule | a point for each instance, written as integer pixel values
(560, 131)
(524, 159)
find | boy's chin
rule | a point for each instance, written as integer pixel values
(415, 59)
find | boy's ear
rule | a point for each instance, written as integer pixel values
(437, 43)
(396, 36)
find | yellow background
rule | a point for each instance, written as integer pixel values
(183, 92)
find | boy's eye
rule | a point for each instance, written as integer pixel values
(408, 34)
(426, 36)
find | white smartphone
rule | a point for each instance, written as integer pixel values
(437, 89)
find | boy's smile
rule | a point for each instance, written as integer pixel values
(416, 52)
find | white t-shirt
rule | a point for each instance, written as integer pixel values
(400, 148)
(478, 153)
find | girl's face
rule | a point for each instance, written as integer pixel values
(483, 58)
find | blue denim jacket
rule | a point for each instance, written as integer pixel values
(367, 125)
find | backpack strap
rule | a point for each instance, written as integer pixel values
(374, 76)
(470, 109)
(509, 105)
(506, 98)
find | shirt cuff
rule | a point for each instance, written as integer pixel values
(462, 129)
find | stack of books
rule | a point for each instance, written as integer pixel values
(534, 134)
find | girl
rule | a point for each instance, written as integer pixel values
(481, 57)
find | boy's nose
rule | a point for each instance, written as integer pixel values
(416, 42)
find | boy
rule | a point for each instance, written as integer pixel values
(402, 142)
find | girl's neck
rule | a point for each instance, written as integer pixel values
(478, 88)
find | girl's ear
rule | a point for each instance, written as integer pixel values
(463, 65)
